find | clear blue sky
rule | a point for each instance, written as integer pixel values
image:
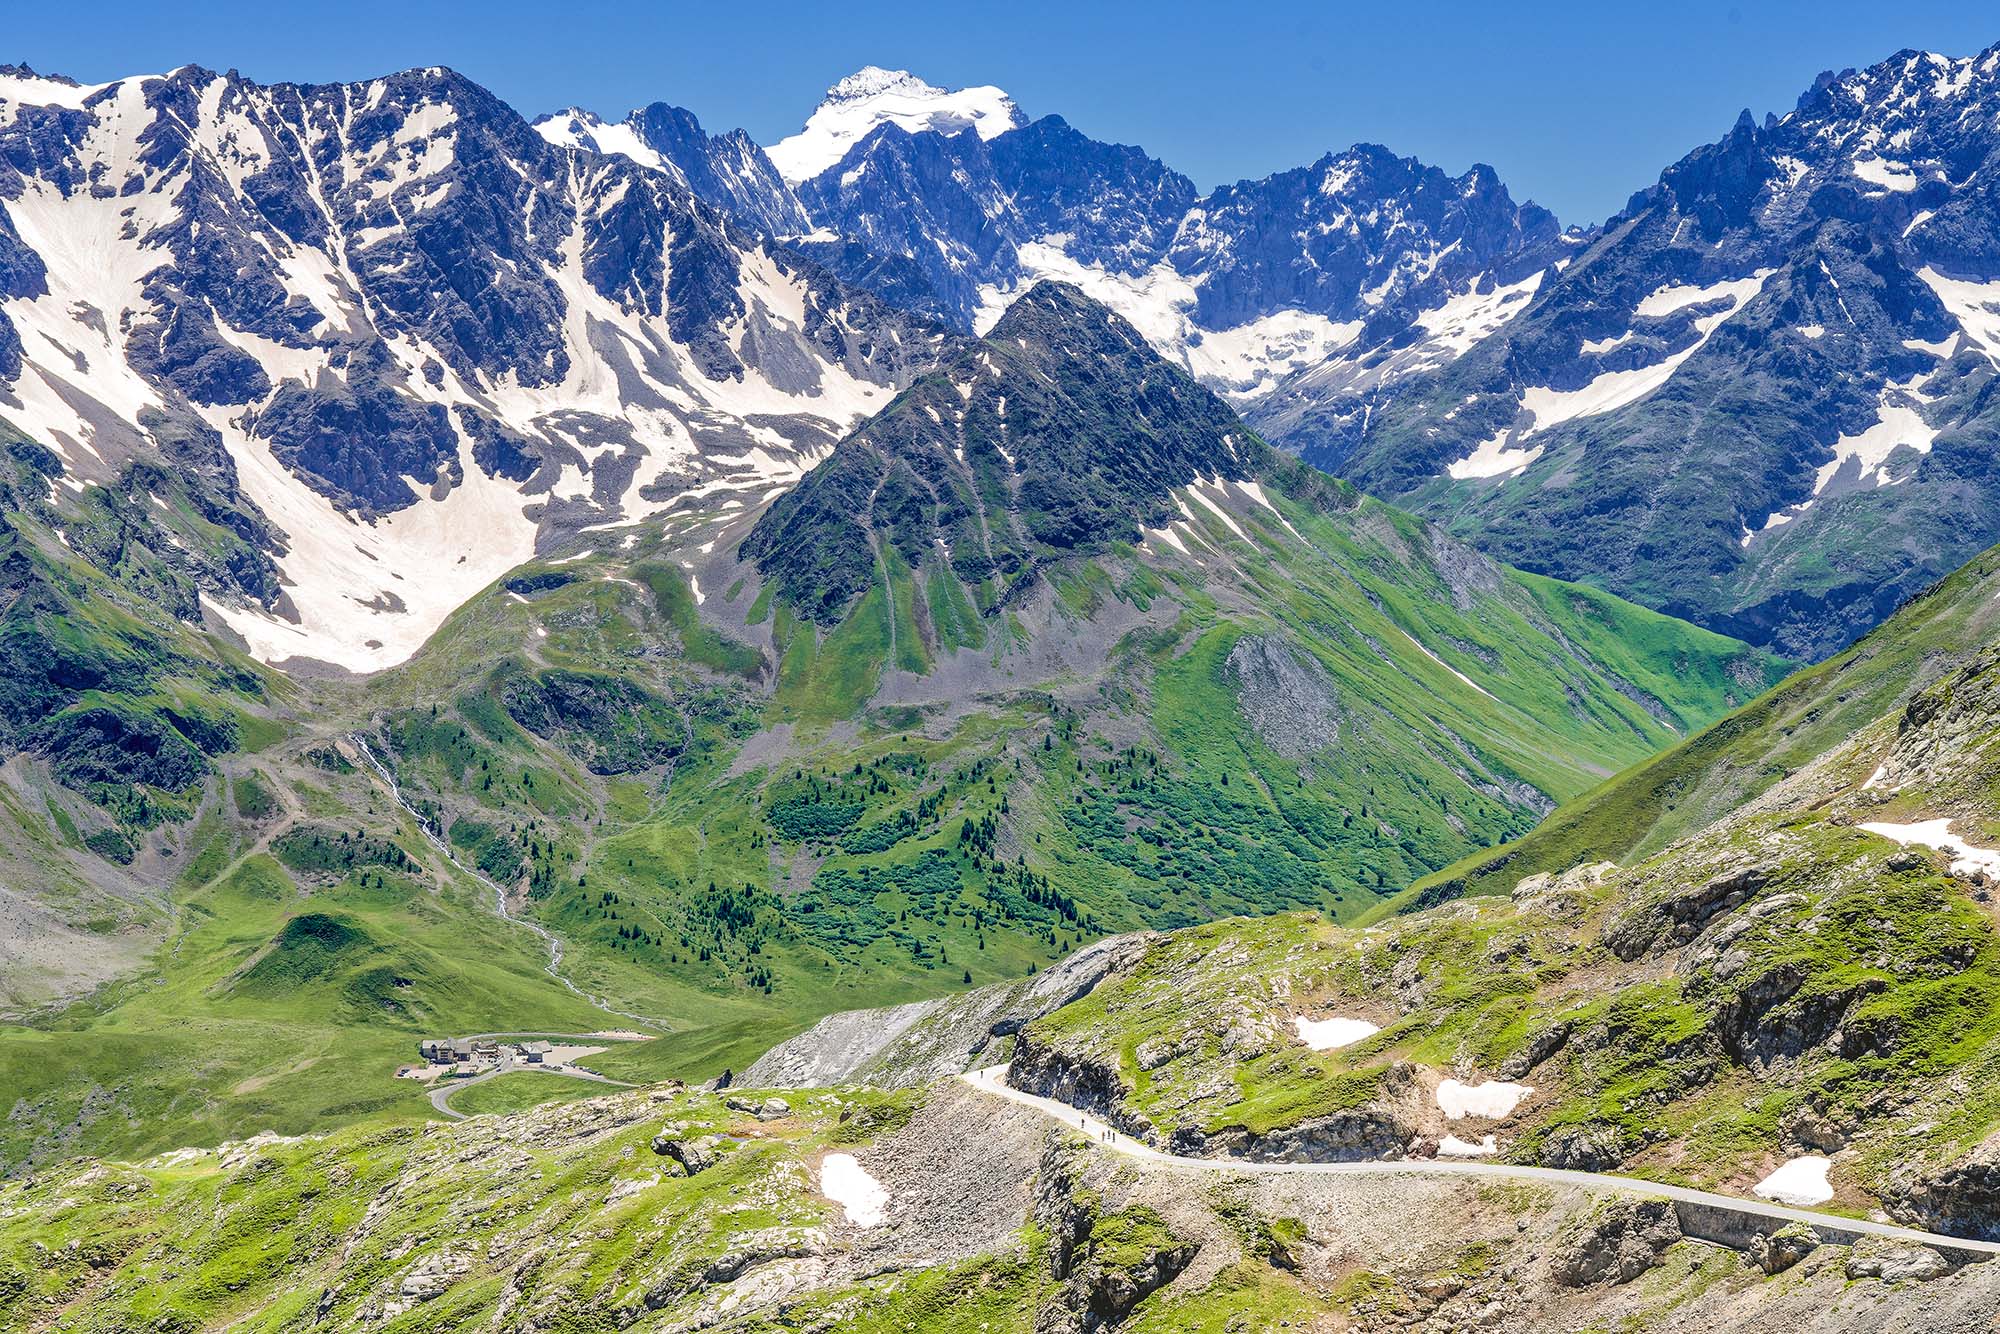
(1577, 102)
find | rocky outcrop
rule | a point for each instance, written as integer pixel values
(1891, 1261)
(1288, 699)
(1620, 1242)
(749, 1251)
(1773, 1017)
(1678, 917)
(1081, 1080)
(901, 1046)
(1563, 897)
(694, 1155)
(1105, 1263)
(1541, 1045)
(1941, 723)
(1962, 1199)
(1779, 1251)
(1582, 1148)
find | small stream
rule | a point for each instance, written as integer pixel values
(436, 839)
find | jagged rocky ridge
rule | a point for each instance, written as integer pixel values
(413, 333)
(1761, 397)
(955, 203)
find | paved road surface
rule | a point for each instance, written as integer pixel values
(441, 1095)
(993, 1080)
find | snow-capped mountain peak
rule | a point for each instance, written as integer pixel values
(874, 96)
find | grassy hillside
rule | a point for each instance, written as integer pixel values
(731, 865)
(1783, 985)
(1730, 763)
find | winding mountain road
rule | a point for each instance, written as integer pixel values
(441, 1095)
(993, 1081)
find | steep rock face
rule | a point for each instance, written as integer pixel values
(1781, 347)
(727, 171)
(1961, 1198)
(1623, 1241)
(1106, 1263)
(1360, 235)
(393, 301)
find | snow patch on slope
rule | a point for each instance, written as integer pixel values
(1897, 423)
(367, 596)
(1159, 302)
(848, 1184)
(31, 90)
(1891, 176)
(1615, 389)
(1470, 317)
(1545, 406)
(1492, 1100)
(1976, 307)
(1334, 1033)
(1801, 1182)
(581, 129)
(1493, 457)
(1966, 859)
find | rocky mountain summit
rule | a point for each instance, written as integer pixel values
(1782, 346)
(414, 333)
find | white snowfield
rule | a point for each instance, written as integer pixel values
(1451, 1146)
(1966, 859)
(848, 1184)
(874, 96)
(1861, 461)
(1975, 305)
(1492, 1100)
(576, 128)
(1248, 361)
(1159, 302)
(1333, 1033)
(993, 1081)
(1800, 1181)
